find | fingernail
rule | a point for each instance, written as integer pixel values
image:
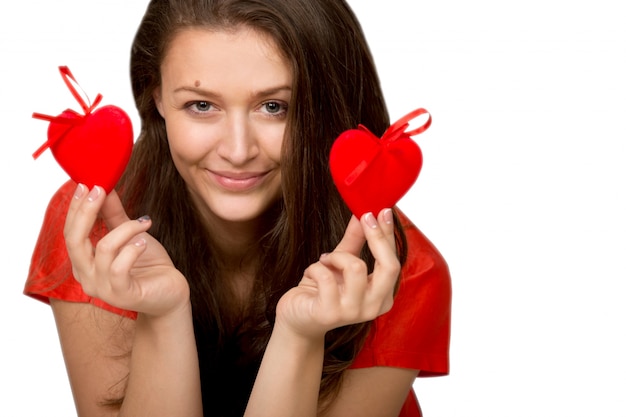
(140, 242)
(323, 255)
(370, 220)
(80, 190)
(388, 216)
(94, 193)
(143, 219)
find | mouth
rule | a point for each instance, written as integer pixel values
(238, 181)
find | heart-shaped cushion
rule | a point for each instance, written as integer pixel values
(371, 173)
(92, 148)
(95, 150)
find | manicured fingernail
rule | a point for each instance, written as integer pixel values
(388, 216)
(370, 220)
(143, 219)
(323, 255)
(80, 190)
(140, 242)
(94, 193)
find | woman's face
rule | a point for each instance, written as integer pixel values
(224, 96)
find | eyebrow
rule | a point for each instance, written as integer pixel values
(256, 94)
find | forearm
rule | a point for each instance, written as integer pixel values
(288, 381)
(164, 375)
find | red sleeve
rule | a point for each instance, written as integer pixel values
(415, 333)
(50, 273)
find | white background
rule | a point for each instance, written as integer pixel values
(522, 187)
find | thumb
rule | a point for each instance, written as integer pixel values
(353, 238)
(112, 211)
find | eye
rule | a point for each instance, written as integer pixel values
(202, 106)
(199, 106)
(274, 108)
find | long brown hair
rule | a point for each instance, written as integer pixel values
(336, 87)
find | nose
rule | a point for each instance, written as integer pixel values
(238, 143)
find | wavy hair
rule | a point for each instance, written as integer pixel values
(336, 87)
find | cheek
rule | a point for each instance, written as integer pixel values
(274, 141)
(187, 142)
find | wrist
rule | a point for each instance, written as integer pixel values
(308, 343)
(174, 320)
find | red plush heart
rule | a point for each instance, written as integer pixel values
(94, 148)
(371, 173)
(97, 149)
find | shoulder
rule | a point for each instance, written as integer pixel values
(423, 256)
(49, 263)
(64, 193)
(51, 234)
(424, 261)
(59, 204)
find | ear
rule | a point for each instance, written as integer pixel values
(158, 100)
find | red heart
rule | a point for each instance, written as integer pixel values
(371, 173)
(96, 150)
(93, 148)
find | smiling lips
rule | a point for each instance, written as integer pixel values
(238, 181)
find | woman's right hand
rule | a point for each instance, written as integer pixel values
(128, 268)
(338, 290)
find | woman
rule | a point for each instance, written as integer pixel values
(250, 288)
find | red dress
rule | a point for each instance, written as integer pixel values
(414, 334)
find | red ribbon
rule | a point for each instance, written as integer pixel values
(399, 128)
(392, 133)
(87, 109)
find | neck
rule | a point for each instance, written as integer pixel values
(236, 244)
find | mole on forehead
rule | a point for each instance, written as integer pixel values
(197, 83)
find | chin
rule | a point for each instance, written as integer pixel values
(242, 210)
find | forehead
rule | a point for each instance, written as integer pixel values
(241, 50)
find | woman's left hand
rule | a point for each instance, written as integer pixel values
(337, 290)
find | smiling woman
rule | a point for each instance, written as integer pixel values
(224, 98)
(245, 286)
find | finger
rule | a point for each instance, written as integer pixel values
(79, 222)
(385, 220)
(122, 264)
(110, 247)
(353, 238)
(113, 212)
(79, 194)
(113, 258)
(352, 274)
(379, 233)
(84, 207)
(380, 239)
(326, 282)
(112, 280)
